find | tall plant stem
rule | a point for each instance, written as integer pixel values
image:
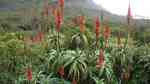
(58, 44)
(128, 37)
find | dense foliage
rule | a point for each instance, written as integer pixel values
(50, 50)
(126, 64)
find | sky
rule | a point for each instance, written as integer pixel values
(139, 8)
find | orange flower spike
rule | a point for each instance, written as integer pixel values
(107, 32)
(29, 73)
(61, 71)
(129, 15)
(82, 23)
(53, 11)
(58, 20)
(61, 3)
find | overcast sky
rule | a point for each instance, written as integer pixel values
(138, 7)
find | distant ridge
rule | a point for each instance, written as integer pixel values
(72, 8)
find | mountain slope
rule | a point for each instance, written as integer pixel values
(11, 5)
(72, 8)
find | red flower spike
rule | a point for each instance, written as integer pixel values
(97, 28)
(58, 20)
(97, 23)
(29, 73)
(107, 32)
(100, 60)
(129, 14)
(61, 71)
(74, 81)
(82, 23)
(61, 3)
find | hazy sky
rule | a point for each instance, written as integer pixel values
(138, 7)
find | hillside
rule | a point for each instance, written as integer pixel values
(72, 8)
